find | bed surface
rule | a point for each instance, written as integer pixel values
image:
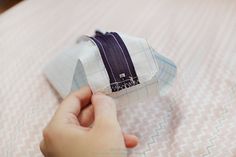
(199, 36)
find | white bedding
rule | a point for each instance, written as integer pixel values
(198, 35)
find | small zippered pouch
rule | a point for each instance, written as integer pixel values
(115, 64)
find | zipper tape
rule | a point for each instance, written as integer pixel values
(117, 60)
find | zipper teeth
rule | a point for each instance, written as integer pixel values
(117, 61)
(125, 52)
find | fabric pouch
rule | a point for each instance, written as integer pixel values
(121, 66)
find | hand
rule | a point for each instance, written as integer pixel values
(68, 133)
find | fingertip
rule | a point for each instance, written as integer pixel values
(131, 140)
(100, 100)
(101, 97)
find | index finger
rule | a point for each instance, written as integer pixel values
(75, 102)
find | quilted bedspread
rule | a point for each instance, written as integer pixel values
(197, 118)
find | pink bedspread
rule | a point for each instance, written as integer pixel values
(198, 118)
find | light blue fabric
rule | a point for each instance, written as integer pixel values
(165, 77)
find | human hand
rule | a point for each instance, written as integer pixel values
(68, 133)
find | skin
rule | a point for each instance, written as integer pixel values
(69, 133)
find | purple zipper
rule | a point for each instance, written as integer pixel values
(117, 60)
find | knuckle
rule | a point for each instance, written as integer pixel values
(47, 133)
(50, 134)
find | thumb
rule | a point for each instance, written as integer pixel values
(105, 110)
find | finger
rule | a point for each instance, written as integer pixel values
(104, 109)
(70, 108)
(86, 116)
(75, 102)
(130, 140)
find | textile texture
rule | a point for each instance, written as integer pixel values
(198, 118)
